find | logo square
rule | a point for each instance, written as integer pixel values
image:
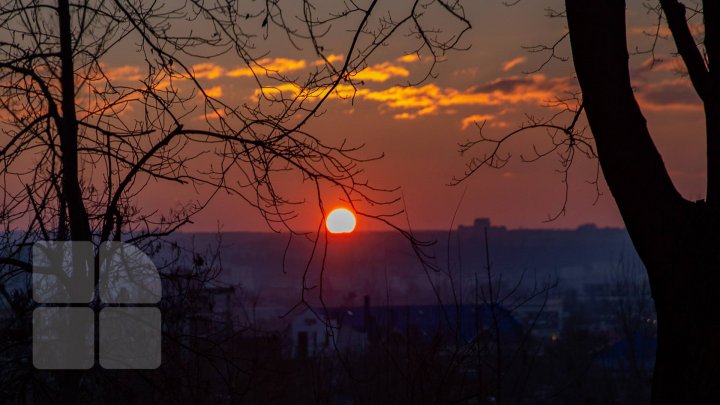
(63, 272)
(63, 338)
(130, 338)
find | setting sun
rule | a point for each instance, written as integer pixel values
(341, 220)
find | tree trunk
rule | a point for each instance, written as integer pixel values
(72, 197)
(675, 238)
(72, 193)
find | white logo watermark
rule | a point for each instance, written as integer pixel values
(129, 324)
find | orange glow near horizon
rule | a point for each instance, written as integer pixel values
(341, 220)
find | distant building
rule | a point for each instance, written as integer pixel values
(478, 227)
(356, 328)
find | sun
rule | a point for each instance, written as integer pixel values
(340, 220)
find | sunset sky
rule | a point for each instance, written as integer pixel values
(418, 128)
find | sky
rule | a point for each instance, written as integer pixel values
(419, 128)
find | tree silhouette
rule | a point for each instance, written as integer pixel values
(79, 147)
(676, 238)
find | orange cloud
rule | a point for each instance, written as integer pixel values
(214, 92)
(409, 102)
(332, 58)
(376, 73)
(269, 66)
(211, 115)
(432, 99)
(475, 119)
(207, 71)
(281, 90)
(427, 99)
(409, 58)
(285, 90)
(241, 72)
(126, 72)
(404, 116)
(381, 73)
(509, 65)
(335, 58)
(418, 98)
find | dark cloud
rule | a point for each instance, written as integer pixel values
(505, 85)
(676, 93)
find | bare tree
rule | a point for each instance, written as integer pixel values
(79, 147)
(676, 238)
(508, 358)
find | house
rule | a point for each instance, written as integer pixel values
(310, 336)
